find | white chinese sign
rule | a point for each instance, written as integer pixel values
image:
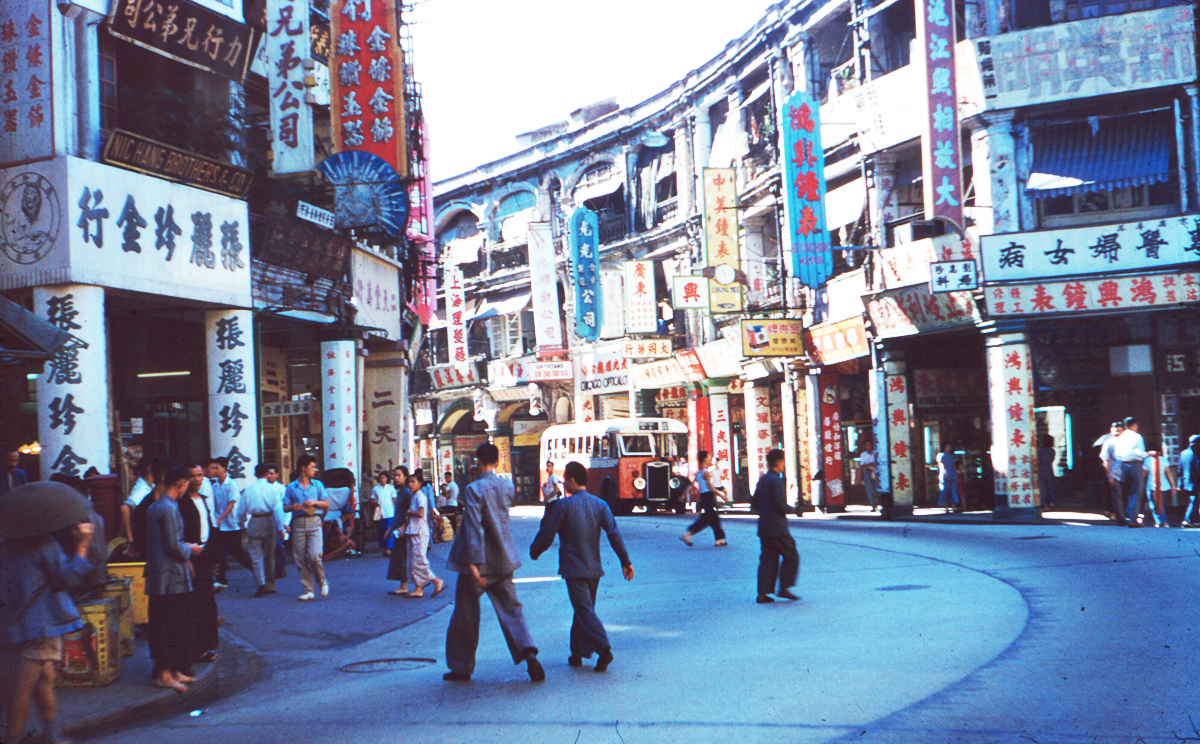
(232, 404)
(640, 302)
(302, 407)
(602, 369)
(660, 374)
(288, 45)
(543, 277)
(510, 374)
(904, 312)
(339, 405)
(26, 82)
(451, 375)
(1010, 384)
(456, 318)
(689, 293)
(953, 276)
(1090, 295)
(647, 348)
(377, 288)
(722, 436)
(551, 371)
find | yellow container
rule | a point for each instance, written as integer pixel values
(120, 590)
(92, 655)
(138, 599)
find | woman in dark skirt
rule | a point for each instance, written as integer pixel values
(198, 519)
(398, 565)
(169, 586)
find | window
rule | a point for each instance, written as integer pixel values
(636, 444)
(605, 447)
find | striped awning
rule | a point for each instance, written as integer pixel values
(1101, 154)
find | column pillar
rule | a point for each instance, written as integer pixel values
(722, 435)
(795, 421)
(339, 405)
(1194, 106)
(1010, 398)
(997, 193)
(685, 181)
(73, 404)
(701, 141)
(384, 404)
(877, 390)
(882, 201)
(232, 377)
(899, 436)
(758, 430)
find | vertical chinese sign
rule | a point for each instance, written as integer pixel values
(420, 231)
(804, 176)
(232, 398)
(367, 81)
(288, 45)
(1010, 383)
(383, 408)
(456, 318)
(543, 277)
(899, 437)
(585, 274)
(831, 441)
(26, 82)
(722, 439)
(721, 228)
(339, 405)
(758, 429)
(941, 143)
(640, 302)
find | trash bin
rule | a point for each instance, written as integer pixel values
(121, 589)
(137, 589)
(92, 654)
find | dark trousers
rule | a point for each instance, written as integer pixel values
(462, 637)
(770, 568)
(587, 632)
(1118, 499)
(708, 516)
(384, 528)
(398, 564)
(172, 632)
(204, 605)
(230, 543)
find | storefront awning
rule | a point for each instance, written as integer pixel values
(507, 306)
(845, 204)
(26, 337)
(1101, 154)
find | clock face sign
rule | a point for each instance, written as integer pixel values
(725, 274)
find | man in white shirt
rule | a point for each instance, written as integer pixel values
(226, 505)
(1113, 471)
(866, 466)
(1128, 452)
(141, 489)
(264, 505)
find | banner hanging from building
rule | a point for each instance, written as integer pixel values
(640, 302)
(804, 174)
(721, 228)
(27, 88)
(543, 277)
(288, 44)
(186, 32)
(383, 408)
(456, 318)
(941, 141)
(831, 441)
(585, 273)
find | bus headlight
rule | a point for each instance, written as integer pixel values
(639, 483)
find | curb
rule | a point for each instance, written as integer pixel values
(160, 700)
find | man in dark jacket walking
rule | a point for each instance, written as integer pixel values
(578, 520)
(770, 503)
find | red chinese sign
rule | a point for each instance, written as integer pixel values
(456, 317)
(903, 312)
(1115, 293)
(831, 441)
(26, 82)
(693, 368)
(830, 343)
(941, 143)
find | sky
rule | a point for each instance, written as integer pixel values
(491, 69)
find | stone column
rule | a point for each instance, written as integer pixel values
(795, 421)
(758, 429)
(881, 198)
(997, 193)
(1194, 106)
(232, 378)
(73, 406)
(1010, 397)
(685, 181)
(877, 389)
(899, 436)
(701, 142)
(722, 435)
(339, 405)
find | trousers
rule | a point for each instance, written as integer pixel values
(770, 567)
(708, 516)
(308, 545)
(462, 637)
(418, 560)
(261, 536)
(1131, 489)
(172, 632)
(587, 632)
(226, 544)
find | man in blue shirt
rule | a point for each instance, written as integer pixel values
(227, 505)
(770, 503)
(263, 504)
(1187, 480)
(306, 500)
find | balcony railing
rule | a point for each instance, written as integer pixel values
(613, 227)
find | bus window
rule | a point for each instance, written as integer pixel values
(604, 447)
(595, 446)
(571, 446)
(636, 444)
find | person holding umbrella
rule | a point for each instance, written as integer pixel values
(35, 608)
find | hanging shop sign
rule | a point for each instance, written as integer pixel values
(689, 293)
(663, 373)
(941, 140)
(377, 287)
(953, 276)
(302, 246)
(186, 32)
(551, 371)
(137, 153)
(585, 273)
(674, 395)
(647, 348)
(904, 312)
(543, 277)
(289, 43)
(831, 343)
(641, 306)
(772, 337)
(831, 440)
(1090, 295)
(804, 173)
(27, 87)
(314, 214)
(456, 317)
(689, 362)
(446, 376)
(302, 407)
(602, 369)
(510, 374)
(1144, 246)
(420, 229)
(367, 81)
(720, 358)
(722, 226)
(909, 263)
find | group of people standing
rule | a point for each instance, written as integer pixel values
(1135, 473)
(409, 519)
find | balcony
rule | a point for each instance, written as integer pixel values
(506, 256)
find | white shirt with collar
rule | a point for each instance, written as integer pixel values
(1129, 447)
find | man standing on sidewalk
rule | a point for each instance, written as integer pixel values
(1189, 469)
(1128, 452)
(262, 502)
(770, 503)
(578, 520)
(485, 557)
(227, 507)
(305, 498)
(1112, 470)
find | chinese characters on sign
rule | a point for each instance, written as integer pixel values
(647, 348)
(770, 337)
(1117, 293)
(941, 143)
(367, 81)
(339, 405)
(722, 439)
(585, 275)
(903, 312)
(689, 293)
(377, 287)
(297, 244)
(657, 374)
(383, 406)
(830, 343)
(804, 177)
(456, 317)
(543, 277)
(288, 45)
(1010, 382)
(232, 404)
(721, 228)
(551, 371)
(899, 438)
(26, 82)
(641, 305)
(302, 407)
(186, 32)
(689, 362)
(447, 376)
(953, 276)
(758, 429)
(831, 440)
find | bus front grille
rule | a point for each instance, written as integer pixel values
(658, 481)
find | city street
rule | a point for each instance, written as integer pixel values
(906, 632)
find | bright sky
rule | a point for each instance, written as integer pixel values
(491, 69)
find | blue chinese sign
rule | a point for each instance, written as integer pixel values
(804, 170)
(585, 273)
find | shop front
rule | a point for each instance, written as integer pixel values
(602, 388)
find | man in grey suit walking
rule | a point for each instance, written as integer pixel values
(577, 520)
(485, 557)
(770, 503)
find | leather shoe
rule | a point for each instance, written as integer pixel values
(575, 661)
(534, 667)
(456, 677)
(785, 594)
(260, 592)
(603, 661)
(765, 599)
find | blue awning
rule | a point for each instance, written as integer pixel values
(1101, 154)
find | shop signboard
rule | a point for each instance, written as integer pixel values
(899, 437)
(941, 138)
(585, 273)
(377, 287)
(314, 214)
(138, 153)
(911, 310)
(722, 439)
(385, 402)
(689, 293)
(27, 87)
(420, 230)
(510, 374)
(551, 371)
(652, 375)
(1014, 427)
(504, 464)
(647, 348)
(953, 276)
(423, 412)
(187, 32)
(641, 305)
(720, 358)
(908, 264)
(1097, 293)
(830, 343)
(302, 407)
(772, 337)
(758, 429)
(602, 369)
(722, 225)
(1149, 245)
(804, 174)
(672, 395)
(289, 43)
(543, 277)
(446, 376)
(339, 405)
(446, 459)
(456, 317)
(528, 433)
(689, 362)
(831, 440)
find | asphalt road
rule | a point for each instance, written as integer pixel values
(905, 633)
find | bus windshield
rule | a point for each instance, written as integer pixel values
(636, 444)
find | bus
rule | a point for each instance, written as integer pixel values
(630, 461)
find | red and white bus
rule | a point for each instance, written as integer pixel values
(630, 461)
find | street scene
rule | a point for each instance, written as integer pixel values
(802, 370)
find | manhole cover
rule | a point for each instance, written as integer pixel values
(1035, 537)
(901, 588)
(387, 665)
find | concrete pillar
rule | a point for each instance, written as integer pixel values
(899, 436)
(701, 142)
(1022, 166)
(812, 435)
(685, 174)
(758, 429)
(722, 435)
(1010, 397)
(73, 404)
(1194, 106)
(231, 376)
(881, 199)
(877, 390)
(384, 405)
(339, 405)
(795, 420)
(997, 192)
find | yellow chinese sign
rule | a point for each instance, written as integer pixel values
(721, 227)
(775, 337)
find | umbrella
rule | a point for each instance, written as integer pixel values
(41, 508)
